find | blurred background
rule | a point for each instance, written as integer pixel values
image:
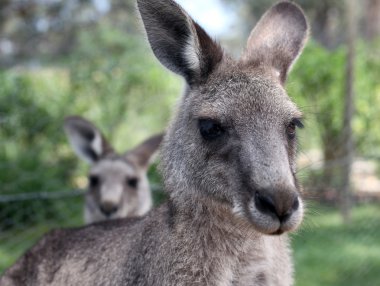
(91, 58)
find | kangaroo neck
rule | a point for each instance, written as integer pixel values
(213, 219)
(228, 246)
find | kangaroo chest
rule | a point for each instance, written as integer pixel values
(263, 263)
(266, 262)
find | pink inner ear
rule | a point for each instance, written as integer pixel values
(278, 38)
(141, 155)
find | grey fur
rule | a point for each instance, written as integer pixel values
(211, 231)
(112, 196)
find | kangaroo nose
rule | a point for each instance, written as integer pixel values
(108, 208)
(280, 206)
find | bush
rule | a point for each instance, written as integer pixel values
(117, 84)
(317, 84)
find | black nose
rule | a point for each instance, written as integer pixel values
(108, 209)
(280, 206)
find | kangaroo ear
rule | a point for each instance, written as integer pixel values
(278, 38)
(178, 42)
(142, 154)
(86, 140)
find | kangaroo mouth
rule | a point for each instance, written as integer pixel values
(277, 232)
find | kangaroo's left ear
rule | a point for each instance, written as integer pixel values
(278, 38)
(86, 140)
(143, 153)
(178, 42)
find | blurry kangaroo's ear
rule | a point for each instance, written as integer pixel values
(142, 154)
(87, 141)
(278, 38)
(177, 41)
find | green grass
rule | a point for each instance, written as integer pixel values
(328, 252)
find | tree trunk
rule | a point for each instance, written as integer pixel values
(348, 146)
(372, 19)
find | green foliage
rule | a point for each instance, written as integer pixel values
(367, 117)
(155, 179)
(129, 93)
(317, 85)
(31, 159)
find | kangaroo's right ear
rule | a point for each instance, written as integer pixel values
(177, 41)
(278, 38)
(143, 153)
(87, 141)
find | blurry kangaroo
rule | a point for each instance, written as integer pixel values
(228, 162)
(118, 185)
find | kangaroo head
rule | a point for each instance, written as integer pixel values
(118, 184)
(234, 136)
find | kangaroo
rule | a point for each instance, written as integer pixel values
(228, 163)
(118, 185)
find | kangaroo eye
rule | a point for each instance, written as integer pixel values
(210, 129)
(132, 182)
(291, 128)
(93, 181)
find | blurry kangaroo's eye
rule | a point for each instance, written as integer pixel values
(210, 129)
(94, 181)
(291, 128)
(132, 182)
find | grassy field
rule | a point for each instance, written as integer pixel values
(326, 252)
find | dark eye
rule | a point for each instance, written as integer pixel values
(132, 182)
(93, 180)
(210, 129)
(292, 127)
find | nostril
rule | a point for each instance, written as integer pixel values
(265, 204)
(108, 210)
(296, 204)
(285, 217)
